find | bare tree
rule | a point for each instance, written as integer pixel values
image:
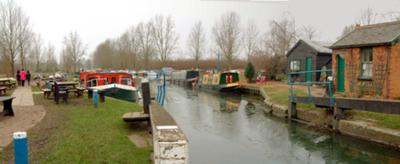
(145, 42)
(165, 38)
(133, 47)
(74, 49)
(103, 55)
(391, 16)
(36, 52)
(122, 47)
(66, 61)
(13, 24)
(347, 29)
(277, 43)
(281, 36)
(197, 41)
(51, 62)
(250, 39)
(227, 36)
(308, 32)
(368, 16)
(24, 41)
(127, 47)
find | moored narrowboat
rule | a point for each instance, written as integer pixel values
(225, 81)
(185, 77)
(118, 91)
(91, 79)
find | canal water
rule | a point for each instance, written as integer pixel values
(232, 128)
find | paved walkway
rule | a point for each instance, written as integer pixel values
(23, 96)
(26, 116)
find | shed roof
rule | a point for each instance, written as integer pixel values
(316, 46)
(370, 35)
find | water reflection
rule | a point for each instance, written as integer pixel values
(224, 128)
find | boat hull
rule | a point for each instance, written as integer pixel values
(221, 88)
(122, 94)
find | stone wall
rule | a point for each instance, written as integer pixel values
(365, 131)
(169, 142)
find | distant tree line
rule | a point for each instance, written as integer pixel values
(21, 47)
(149, 45)
(139, 46)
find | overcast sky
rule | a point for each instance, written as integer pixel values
(97, 20)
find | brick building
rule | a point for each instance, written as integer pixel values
(366, 62)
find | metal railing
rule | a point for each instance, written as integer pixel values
(328, 83)
(161, 91)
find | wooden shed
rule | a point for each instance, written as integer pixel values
(307, 55)
(367, 61)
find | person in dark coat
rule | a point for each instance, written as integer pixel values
(28, 77)
(18, 78)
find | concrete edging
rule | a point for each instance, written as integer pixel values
(362, 130)
(322, 119)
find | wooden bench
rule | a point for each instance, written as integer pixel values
(7, 105)
(13, 84)
(79, 92)
(46, 92)
(3, 90)
(7, 85)
(135, 117)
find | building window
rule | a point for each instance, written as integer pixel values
(366, 63)
(295, 65)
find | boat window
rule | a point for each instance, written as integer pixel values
(92, 82)
(192, 74)
(229, 78)
(113, 80)
(125, 81)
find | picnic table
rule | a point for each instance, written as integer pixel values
(68, 86)
(62, 90)
(3, 90)
(7, 82)
(7, 105)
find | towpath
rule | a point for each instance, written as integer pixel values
(26, 116)
(23, 96)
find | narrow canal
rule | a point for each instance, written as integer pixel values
(226, 128)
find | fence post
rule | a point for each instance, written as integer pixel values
(20, 148)
(146, 96)
(337, 116)
(95, 98)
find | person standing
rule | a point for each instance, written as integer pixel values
(28, 77)
(18, 78)
(23, 77)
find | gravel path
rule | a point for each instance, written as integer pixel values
(26, 116)
(23, 96)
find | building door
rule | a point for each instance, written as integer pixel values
(340, 74)
(309, 68)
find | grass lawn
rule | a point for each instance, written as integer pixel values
(380, 119)
(90, 135)
(281, 96)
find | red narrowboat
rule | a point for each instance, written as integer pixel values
(91, 79)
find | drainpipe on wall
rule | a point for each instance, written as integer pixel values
(388, 48)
